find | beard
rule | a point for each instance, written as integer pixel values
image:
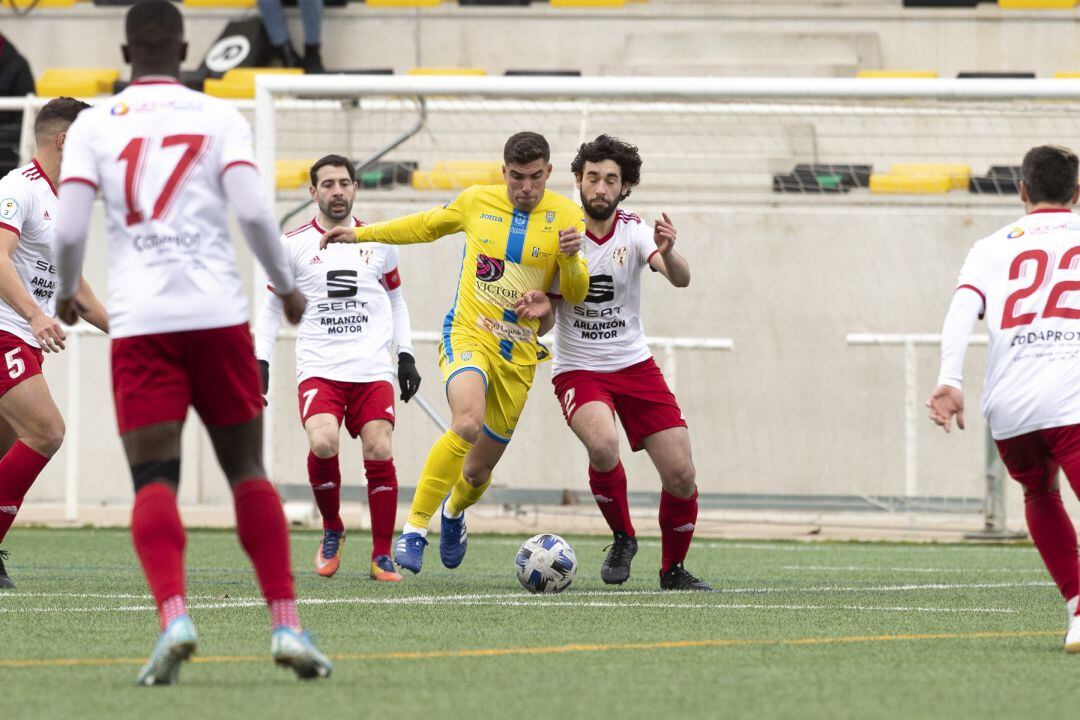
(336, 213)
(601, 213)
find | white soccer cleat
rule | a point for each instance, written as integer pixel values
(175, 645)
(294, 649)
(1072, 635)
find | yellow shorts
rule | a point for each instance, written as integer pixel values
(507, 385)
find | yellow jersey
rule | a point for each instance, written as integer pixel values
(507, 253)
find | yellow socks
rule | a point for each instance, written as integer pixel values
(464, 496)
(441, 471)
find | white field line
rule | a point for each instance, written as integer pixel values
(422, 599)
(870, 568)
(498, 601)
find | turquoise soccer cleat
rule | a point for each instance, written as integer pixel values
(175, 645)
(294, 649)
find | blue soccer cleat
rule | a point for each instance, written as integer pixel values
(175, 645)
(294, 649)
(454, 540)
(409, 551)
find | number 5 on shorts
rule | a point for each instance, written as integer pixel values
(308, 397)
(16, 366)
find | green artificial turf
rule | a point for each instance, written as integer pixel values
(798, 631)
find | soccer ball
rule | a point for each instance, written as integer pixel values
(546, 564)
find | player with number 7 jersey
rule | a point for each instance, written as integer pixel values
(1024, 279)
(169, 163)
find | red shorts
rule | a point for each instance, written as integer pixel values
(356, 403)
(1033, 458)
(638, 394)
(156, 377)
(19, 359)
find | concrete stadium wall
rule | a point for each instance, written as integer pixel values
(792, 411)
(653, 38)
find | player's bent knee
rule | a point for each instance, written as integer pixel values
(468, 429)
(378, 450)
(324, 447)
(48, 439)
(680, 481)
(604, 456)
(162, 471)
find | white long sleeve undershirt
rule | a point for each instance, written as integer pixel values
(966, 307)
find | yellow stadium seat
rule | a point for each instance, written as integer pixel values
(958, 174)
(897, 74)
(290, 174)
(220, 3)
(1067, 75)
(588, 3)
(447, 71)
(454, 179)
(910, 184)
(1036, 4)
(77, 82)
(402, 3)
(240, 82)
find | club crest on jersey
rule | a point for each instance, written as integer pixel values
(1015, 233)
(489, 269)
(619, 256)
(120, 109)
(549, 216)
(8, 208)
(367, 255)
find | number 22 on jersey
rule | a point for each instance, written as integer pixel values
(135, 157)
(1041, 259)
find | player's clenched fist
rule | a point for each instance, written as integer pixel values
(664, 234)
(945, 402)
(295, 304)
(533, 305)
(569, 241)
(337, 235)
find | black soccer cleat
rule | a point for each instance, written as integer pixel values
(616, 567)
(5, 581)
(678, 578)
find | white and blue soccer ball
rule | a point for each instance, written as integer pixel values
(546, 564)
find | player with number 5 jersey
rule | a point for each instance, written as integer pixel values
(1024, 280)
(31, 428)
(169, 163)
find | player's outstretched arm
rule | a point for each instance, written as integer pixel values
(90, 308)
(47, 330)
(422, 227)
(667, 261)
(76, 200)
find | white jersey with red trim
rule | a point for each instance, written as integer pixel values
(157, 152)
(605, 332)
(347, 331)
(1028, 275)
(27, 208)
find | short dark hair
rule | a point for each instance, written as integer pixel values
(1050, 174)
(525, 147)
(606, 147)
(154, 29)
(56, 115)
(333, 161)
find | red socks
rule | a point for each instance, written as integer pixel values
(609, 491)
(18, 470)
(677, 519)
(260, 523)
(158, 536)
(324, 474)
(382, 491)
(1054, 536)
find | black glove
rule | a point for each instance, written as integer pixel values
(407, 377)
(264, 375)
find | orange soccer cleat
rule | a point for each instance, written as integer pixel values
(382, 569)
(328, 559)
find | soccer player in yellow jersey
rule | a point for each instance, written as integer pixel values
(521, 241)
